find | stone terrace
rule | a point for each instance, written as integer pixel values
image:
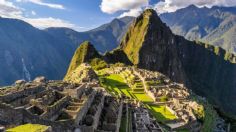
(175, 97)
(57, 104)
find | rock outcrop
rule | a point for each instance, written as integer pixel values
(115, 56)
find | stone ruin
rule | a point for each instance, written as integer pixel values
(144, 122)
(61, 105)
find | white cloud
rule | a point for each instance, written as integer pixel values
(33, 13)
(132, 12)
(48, 22)
(43, 23)
(173, 5)
(134, 7)
(40, 2)
(9, 10)
(112, 6)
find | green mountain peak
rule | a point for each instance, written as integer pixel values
(84, 53)
(148, 23)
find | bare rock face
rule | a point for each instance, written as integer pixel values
(115, 56)
(208, 70)
(41, 79)
(20, 82)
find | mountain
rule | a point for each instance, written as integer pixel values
(86, 53)
(27, 52)
(104, 38)
(211, 25)
(207, 70)
(83, 54)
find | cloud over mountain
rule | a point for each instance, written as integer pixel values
(132, 12)
(173, 5)
(112, 6)
(9, 10)
(134, 7)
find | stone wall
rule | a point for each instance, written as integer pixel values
(98, 113)
(75, 92)
(20, 94)
(118, 121)
(109, 127)
(19, 116)
(10, 115)
(56, 126)
(85, 108)
(51, 110)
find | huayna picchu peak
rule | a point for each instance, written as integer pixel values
(146, 25)
(154, 81)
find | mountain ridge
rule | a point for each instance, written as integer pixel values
(28, 52)
(204, 24)
(105, 38)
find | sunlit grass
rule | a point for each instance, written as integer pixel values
(143, 97)
(115, 83)
(29, 128)
(161, 113)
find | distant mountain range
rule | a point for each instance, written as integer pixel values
(27, 52)
(104, 38)
(216, 25)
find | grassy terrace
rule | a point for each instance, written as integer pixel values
(29, 128)
(115, 84)
(161, 113)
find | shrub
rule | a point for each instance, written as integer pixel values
(118, 64)
(164, 99)
(98, 64)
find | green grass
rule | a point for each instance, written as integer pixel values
(209, 119)
(183, 130)
(98, 64)
(116, 84)
(207, 114)
(29, 128)
(161, 113)
(143, 97)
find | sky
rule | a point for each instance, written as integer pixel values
(83, 15)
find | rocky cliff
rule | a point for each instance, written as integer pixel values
(207, 70)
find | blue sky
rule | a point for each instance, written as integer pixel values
(82, 15)
(85, 14)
